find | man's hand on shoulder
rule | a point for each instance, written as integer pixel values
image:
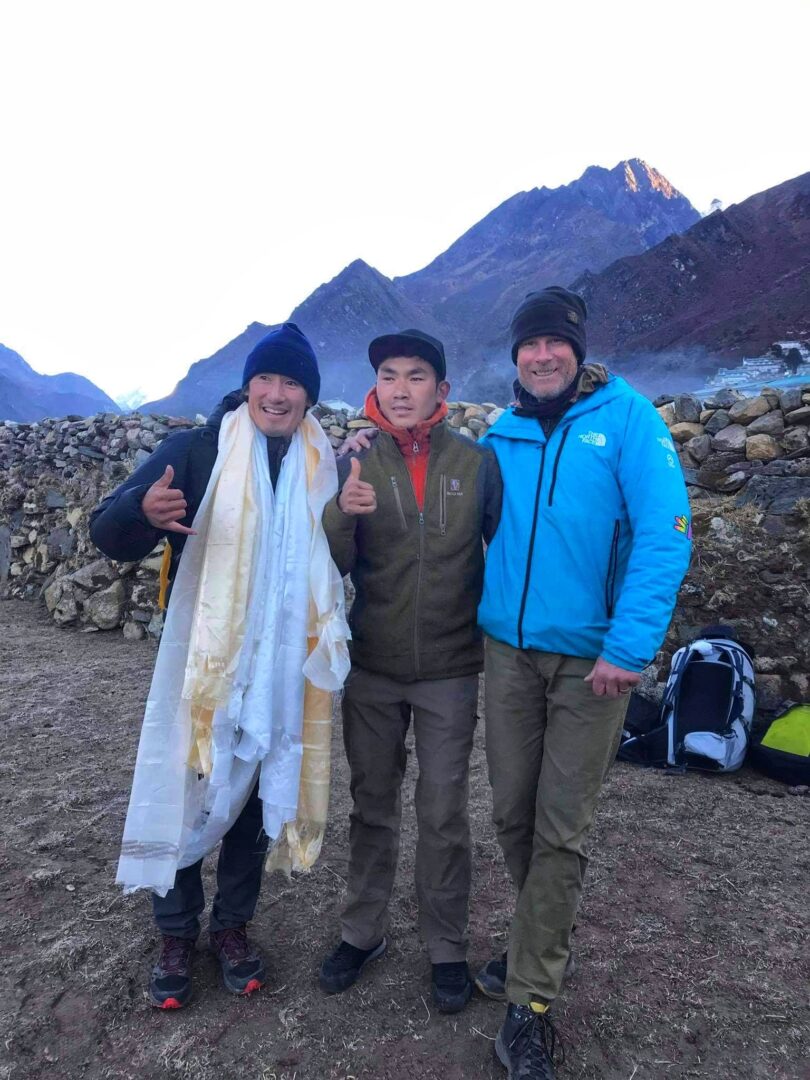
(357, 496)
(608, 680)
(361, 440)
(163, 506)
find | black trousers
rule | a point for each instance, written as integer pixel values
(239, 879)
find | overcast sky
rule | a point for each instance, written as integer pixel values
(172, 171)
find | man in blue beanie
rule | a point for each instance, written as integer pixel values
(176, 495)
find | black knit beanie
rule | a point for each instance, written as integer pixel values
(552, 311)
(285, 351)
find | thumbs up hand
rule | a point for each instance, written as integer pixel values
(357, 497)
(163, 506)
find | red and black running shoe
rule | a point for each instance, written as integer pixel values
(170, 983)
(242, 967)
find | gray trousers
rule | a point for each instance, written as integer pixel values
(550, 743)
(376, 715)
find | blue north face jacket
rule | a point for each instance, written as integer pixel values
(594, 537)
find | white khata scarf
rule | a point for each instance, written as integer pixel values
(254, 643)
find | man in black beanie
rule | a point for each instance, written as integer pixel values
(579, 587)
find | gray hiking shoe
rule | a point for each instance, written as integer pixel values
(170, 981)
(243, 969)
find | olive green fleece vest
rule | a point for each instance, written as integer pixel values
(418, 576)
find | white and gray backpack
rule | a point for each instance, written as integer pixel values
(707, 710)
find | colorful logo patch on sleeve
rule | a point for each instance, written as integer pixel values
(682, 525)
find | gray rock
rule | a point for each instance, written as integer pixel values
(61, 542)
(96, 574)
(717, 422)
(731, 438)
(54, 500)
(699, 447)
(743, 412)
(106, 608)
(723, 399)
(134, 631)
(687, 409)
(731, 483)
(53, 594)
(725, 533)
(795, 439)
(65, 610)
(790, 398)
(799, 416)
(770, 423)
(776, 494)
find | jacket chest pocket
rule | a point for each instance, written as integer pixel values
(455, 513)
(399, 518)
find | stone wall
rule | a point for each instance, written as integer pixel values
(746, 460)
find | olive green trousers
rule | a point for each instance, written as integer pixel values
(550, 742)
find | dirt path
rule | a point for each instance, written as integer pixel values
(692, 944)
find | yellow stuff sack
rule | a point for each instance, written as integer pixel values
(784, 750)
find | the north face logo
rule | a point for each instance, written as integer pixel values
(594, 438)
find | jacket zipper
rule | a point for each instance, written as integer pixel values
(419, 561)
(610, 580)
(443, 505)
(398, 500)
(556, 464)
(531, 547)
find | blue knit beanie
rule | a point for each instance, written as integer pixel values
(285, 351)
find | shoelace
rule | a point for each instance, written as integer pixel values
(233, 943)
(538, 1040)
(174, 954)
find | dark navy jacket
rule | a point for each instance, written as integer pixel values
(118, 526)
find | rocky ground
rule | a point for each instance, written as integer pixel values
(692, 944)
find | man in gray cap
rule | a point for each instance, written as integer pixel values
(408, 524)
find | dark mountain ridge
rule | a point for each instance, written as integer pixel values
(670, 295)
(25, 395)
(466, 294)
(542, 236)
(732, 284)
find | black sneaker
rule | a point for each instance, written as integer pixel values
(341, 968)
(451, 986)
(242, 967)
(525, 1044)
(491, 979)
(170, 982)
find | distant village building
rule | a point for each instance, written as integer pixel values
(784, 360)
